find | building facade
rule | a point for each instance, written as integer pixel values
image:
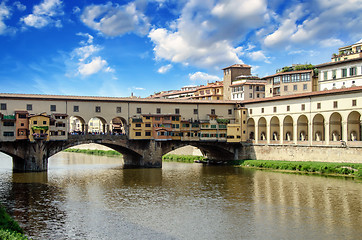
(230, 76)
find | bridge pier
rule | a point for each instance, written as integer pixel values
(31, 157)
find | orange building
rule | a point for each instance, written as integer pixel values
(22, 125)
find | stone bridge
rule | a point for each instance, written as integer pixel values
(33, 156)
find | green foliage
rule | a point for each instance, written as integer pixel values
(353, 169)
(9, 229)
(181, 158)
(110, 153)
(222, 120)
(297, 68)
(9, 235)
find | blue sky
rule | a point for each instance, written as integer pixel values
(115, 48)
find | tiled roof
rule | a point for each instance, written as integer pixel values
(338, 62)
(237, 66)
(286, 73)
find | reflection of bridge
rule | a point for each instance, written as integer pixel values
(136, 153)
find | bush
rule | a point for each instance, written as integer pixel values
(9, 235)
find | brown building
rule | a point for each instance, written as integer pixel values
(211, 91)
(231, 74)
(22, 125)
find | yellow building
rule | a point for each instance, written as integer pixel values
(237, 132)
(348, 52)
(39, 127)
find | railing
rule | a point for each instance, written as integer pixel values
(87, 137)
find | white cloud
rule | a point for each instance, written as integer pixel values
(19, 6)
(206, 32)
(138, 88)
(258, 56)
(331, 42)
(87, 35)
(92, 67)
(200, 76)
(45, 14)
(164, 69)
(114, 20)
(86, 51)
(76, 10)
(4, 14)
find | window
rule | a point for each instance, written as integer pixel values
(138, 124)
(325, 75)
(275, 109)
(138, 134)
(157, 118)
(53, 108)
(335, 104)
(147, 134)
(158, 110)
(213, 111)
(3, 106)
(344, 72)
(98, 109)
(354, 102)
(175, 118)
(319, 105)
(305, 86)
(213, 126)
(196, 111)
(22, 115)
(8, 134)
(258, 95)
(44, 122)
(29, 107)
(177, 111)
(148, 118)
(251, 111)
(250, 95)
(303, 107)
(230, 111)
(75, 108)
(251, 87)
(285, 88)
(352, 71)
(139, 110)
(286, 78)
(148, 124)
(262, 110)
(119, 109)
(334, 74)
(8, 124)
(295, 87)
(288, 108)
(35, 122)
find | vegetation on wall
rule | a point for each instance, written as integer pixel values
(351, 169)
(181, 158)
(110, 153)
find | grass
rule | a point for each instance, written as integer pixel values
(109, 153)
(346, 169)
(9, 229)
(181, 158)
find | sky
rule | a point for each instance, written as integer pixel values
(118, 48)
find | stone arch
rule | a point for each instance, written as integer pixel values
(97, 125)
(354, 126)
(288, 128)
(77, 124)
(302, 128)
(118, 125)
(275, 129)
(318, 128)
(262, 128)
(251, 129)
(335, 127)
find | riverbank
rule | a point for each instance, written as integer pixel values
(109, 153)
(325, 168)
(9, 229)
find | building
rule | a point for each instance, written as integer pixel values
(291, 80)
(186, 92)
(344, 71)
(58, 127)
(39, 127)
(211, 91)
(21, 125)
(8, 128)
(230, 75)
(247, 87)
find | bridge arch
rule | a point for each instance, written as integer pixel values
(288, 128)
(262, 129)
(302, 128)
(97, 125)
(118, 125)
(354, 126)
(274, 128)
(318, 128)
(335, 127)
(251, 129)
(77, 124)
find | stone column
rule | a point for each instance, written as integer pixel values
(267, 129)
(344, 131)
(281, 135)
(310, 133)
(256, 134)
(31, 157)
(295, 132)
(326, 133)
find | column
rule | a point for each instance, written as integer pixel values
(326, 133)
(281, 131)
(295, 132)
(256, 131)
(267, 132)
(310, 133)
(344, 131)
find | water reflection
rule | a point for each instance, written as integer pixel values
(87, 197)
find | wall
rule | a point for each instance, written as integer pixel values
(302, 153)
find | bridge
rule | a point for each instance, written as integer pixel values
(33, 156)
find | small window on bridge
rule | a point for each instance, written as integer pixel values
(213, 111)
(177, 111)
(138, 134)
(119, 109)
(3, 106)
(53, 108)
(29, 107)
(98, 109)
(75, 108)
(139, 110)
(230, 111)
(158, 110)
(196, 111)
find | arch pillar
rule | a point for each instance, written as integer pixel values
(295, 132)
(281, 130)
(326, 132)
(344, 131)
(267, 132)
(310, 132)
(256, 132)
(86, 128)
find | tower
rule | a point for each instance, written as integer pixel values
(230, 74)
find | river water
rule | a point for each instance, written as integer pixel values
(89, 197)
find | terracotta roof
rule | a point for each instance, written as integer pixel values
(248, 83)
(286, 73)
(338, 62)
(211, 86)
(301, 95)
(107, 99)
(238, 66)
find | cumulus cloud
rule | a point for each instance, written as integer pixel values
(114, 19)
(92, 67)
(19, 6)
(206, 32)
(201, 76)
(45, 14)
(4, 14)
(258, 56)
(164, 69)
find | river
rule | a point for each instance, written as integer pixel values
(90, 197)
